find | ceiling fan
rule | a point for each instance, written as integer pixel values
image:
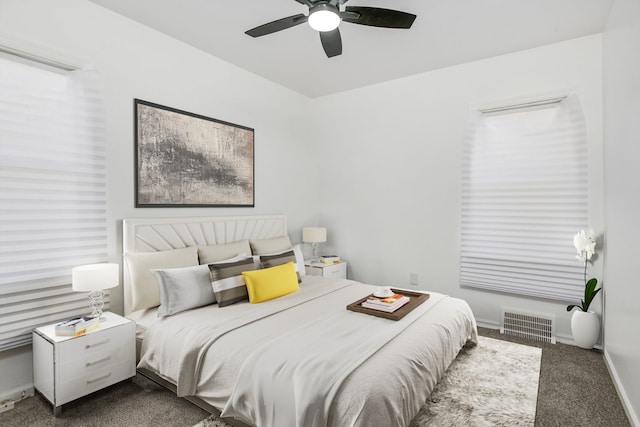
(325, 16)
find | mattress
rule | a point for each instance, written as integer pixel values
(386, 387)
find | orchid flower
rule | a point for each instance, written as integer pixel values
(585, 244)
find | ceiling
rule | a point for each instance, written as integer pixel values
(445, 33)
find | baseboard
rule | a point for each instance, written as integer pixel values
(489, 324)
(561, 338)
(626, 403)
(18, 393)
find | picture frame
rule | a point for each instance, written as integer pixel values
(184, 159)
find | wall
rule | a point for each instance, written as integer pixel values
(621, 57)
(137, 62)
(390, 154)
(390, 192)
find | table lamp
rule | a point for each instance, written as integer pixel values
(94, 278)
(314, 235)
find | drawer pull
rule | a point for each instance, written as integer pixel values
(99, 378)
(104, 359)
(97, 344)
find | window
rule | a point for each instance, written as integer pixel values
(524, 196)
(52, 194)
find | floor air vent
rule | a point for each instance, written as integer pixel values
(534, 326)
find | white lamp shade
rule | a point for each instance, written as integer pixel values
(95, 277)
(314, 234)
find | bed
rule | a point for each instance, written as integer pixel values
(297, 359)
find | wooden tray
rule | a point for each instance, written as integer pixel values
(415, 299)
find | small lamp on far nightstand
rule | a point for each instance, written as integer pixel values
(94, 278)
(314, 235)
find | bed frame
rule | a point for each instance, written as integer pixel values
(160, 234)
(152, 235)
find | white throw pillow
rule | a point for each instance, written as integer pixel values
(299, 260)
(144, 289)
(216, 253)
(183, 288)
(270, 246)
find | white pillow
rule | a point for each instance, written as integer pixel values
(216, 253)
(144, 289)
(270, 246)
(183, 288)
(297, 250)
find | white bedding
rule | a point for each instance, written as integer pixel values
(143, 320)
(387, 388)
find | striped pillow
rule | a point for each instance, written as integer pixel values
(279, 259)
(228, 283)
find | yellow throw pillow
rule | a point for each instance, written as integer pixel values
(270, 283)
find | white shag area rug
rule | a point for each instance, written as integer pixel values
(492, 384)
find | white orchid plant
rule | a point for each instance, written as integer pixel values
(585, 244)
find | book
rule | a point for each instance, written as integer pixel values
(330, 259)
(390, 308)
(388, 304)
(385, 301)
(77, 326)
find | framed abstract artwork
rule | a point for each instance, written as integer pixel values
(184, 159)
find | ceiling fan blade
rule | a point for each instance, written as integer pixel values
(331, 42)
(279, 25)
(377, 17)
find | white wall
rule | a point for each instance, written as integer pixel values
(390, 192)
(621, 56)
(389, 154)
(137, 62)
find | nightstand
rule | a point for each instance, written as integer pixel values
(335, 271)
(66, 368)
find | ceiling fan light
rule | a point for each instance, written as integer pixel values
(324, 20)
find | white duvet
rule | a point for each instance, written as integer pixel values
(304, 360)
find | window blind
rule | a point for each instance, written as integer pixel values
(524, 196)
(52, 194)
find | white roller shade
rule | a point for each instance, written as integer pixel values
(52, 194)
(524, 196)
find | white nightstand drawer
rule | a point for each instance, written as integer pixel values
(95, 361)
(336, 271)
(92, 346)
(78, 386)
(333, 271)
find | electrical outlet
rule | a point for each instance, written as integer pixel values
(413, 279)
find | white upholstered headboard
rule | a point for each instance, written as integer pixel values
(161, 234)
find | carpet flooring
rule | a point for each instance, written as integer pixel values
(574, 389)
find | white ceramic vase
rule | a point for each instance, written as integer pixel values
(585, 327)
